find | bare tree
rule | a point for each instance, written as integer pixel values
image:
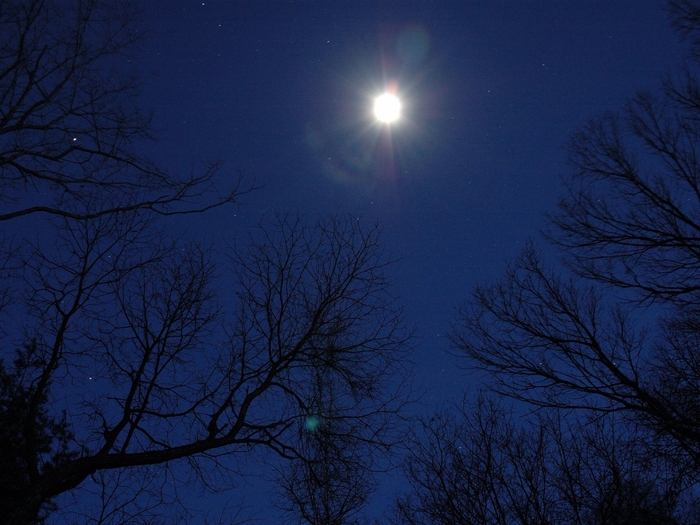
(686, 20)
(480, 465)
(328, 487)
(331, 482)
(131, 367)
(616, 329)
(460, 473)
(69, 123)
(128, 339)
(128, 357)
(71, 130)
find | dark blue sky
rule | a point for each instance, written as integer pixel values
(491, 91)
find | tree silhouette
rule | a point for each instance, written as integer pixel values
(482, 465)
(129, 339)
(32, 441)
(330, 484)
(69, 122)
(616, 330)
(134, 369)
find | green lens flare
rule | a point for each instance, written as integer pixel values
(312, 423)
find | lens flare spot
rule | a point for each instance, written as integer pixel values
(312, 423)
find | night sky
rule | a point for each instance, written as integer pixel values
(491, 91)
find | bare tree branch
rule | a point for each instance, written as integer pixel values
(128, 337)
(69, 123)
(485, 465)
(617, 332)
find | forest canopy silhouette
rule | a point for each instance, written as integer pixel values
(139, 363)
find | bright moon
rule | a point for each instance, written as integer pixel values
(387, 107)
